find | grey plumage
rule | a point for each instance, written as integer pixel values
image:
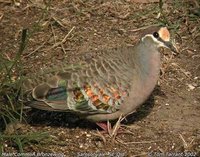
(113, 84)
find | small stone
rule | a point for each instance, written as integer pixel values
(191, 87)
(88, 135)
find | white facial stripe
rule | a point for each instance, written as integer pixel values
(159, 43)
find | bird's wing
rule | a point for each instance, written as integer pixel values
(99, 85)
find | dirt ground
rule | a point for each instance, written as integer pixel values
(61, 31)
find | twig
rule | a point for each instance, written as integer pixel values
(39, 47)
(116, 127)
(185, 145)
(64, 39)
(125, 131)
(1, 16)
(100, 135)
(3, 1)
(63, 48)
(141, 142)
(60, 23)
(187, 74)
(142, 28)
(53, 32)
(7, 56)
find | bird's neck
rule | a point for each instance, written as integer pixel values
(148, 63)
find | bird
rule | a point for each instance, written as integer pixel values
(104, 87)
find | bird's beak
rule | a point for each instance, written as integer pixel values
(171, 46)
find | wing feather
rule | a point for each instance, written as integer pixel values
(98, 86)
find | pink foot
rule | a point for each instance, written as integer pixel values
(103, 126)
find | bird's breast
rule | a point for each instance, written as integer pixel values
(142, 85)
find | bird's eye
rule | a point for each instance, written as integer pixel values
(156, 35)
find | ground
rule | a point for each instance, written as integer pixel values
(61, 31)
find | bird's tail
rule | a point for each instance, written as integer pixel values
(50, 95)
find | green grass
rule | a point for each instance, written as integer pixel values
(9, 90)
(11, 110)
(19, 141)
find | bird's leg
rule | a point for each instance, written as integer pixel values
(111, 131)
(107, 128)
(103, 126)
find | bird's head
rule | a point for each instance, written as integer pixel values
(160, 37)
